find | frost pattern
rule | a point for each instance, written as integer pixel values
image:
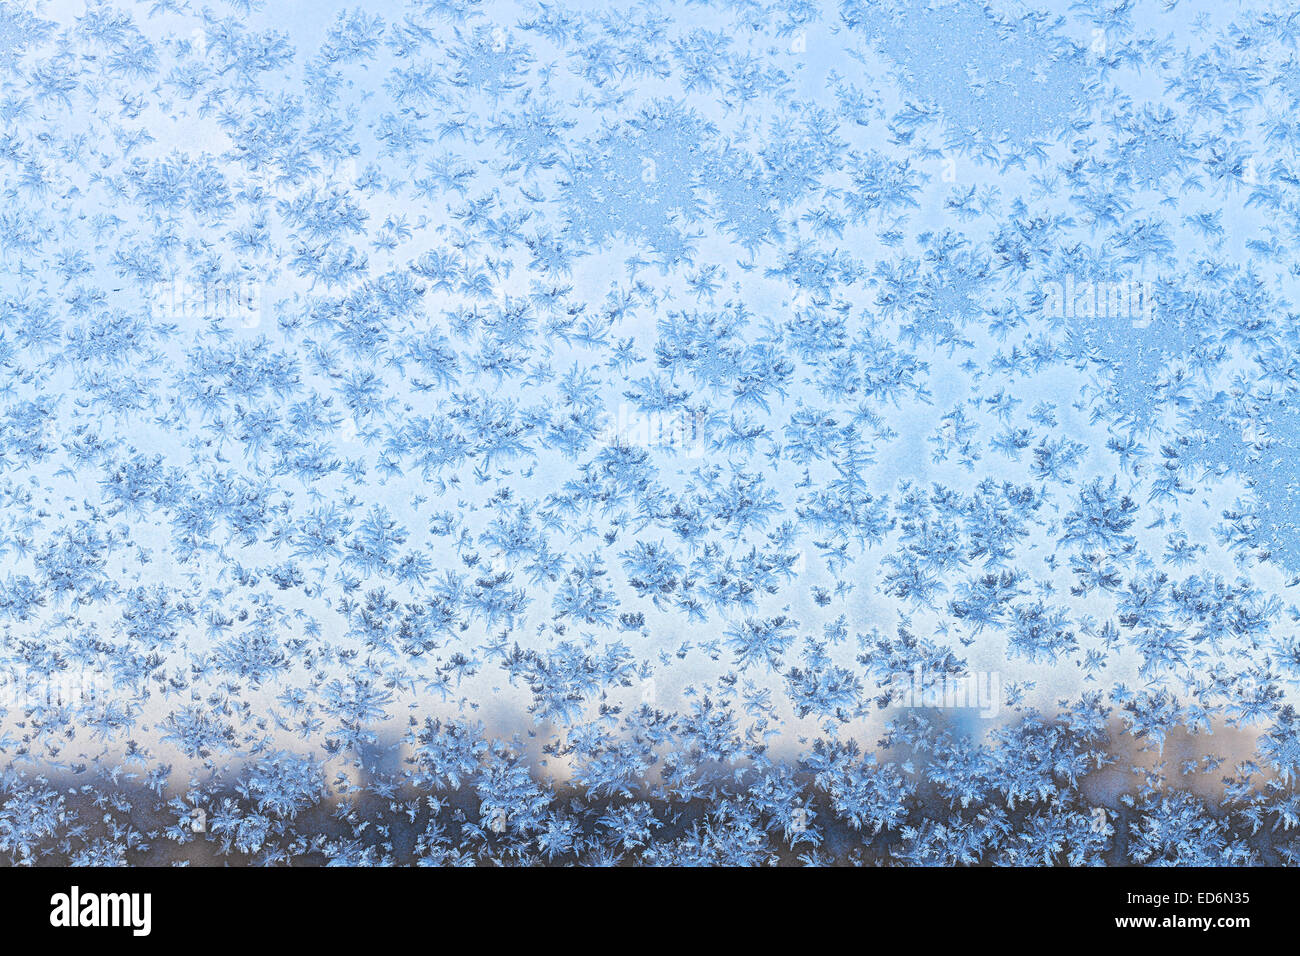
(465, 432)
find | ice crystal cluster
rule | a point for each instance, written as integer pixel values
(659, 433)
